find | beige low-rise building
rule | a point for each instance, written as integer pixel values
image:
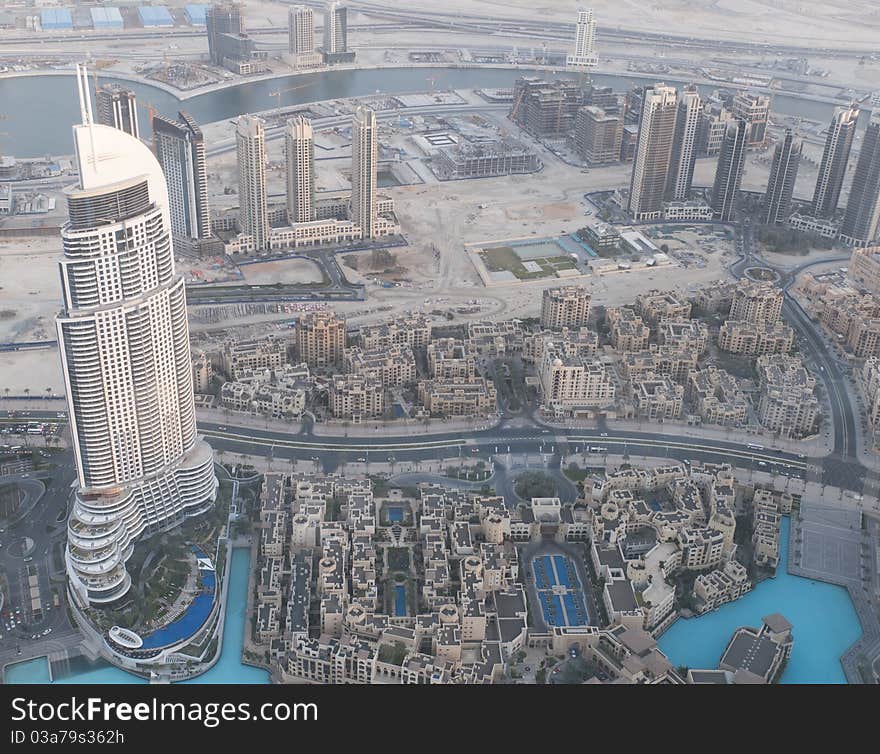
(354, 397)
(264, 399)
(717, 397)
(394, 366)
(683, 333)
(477, 397)
(720, 586)
(759, 303)
(869, 381)
(571, 385)
(701, 549)
(864, 268)
(412, 329)
(755, 339)
(628, 330)
(655, 397)
(239, 357)
(202, 371)
(788, 404)
(655, 306)
(581, 343)
(449, 360)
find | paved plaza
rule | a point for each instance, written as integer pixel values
(827, 544)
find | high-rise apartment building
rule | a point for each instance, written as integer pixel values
(364, 159)
(713, 124)
(758, 303)
(125, 355)
(223, 18)
(180, 149)
(755, 109)
(117, 108)
(684, 145)
(653, 152)
(320, 339)
(835, 156)
(300, 153)
(598, 135)
(783, 174)
(565, 307)
(546, 109)
(301, 30)
(728, 174)
(860, 220)
(250, 138)
(301, 37)
(335, 47)
(584, 55)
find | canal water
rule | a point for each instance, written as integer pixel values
(228, 668)
(825, 625)
(42, 109)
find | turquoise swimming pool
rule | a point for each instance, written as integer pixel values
(228, 669)
(824, 622)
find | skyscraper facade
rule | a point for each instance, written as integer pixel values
(783, 174)
(684, 152)
(835, 156)
(364, 158)
(335, 31)
(124, 344)
(728, 174)
(180, 148)
(653, 152)
(860, 220)
(301, 30)
(117, 108)
(250, 139)
(584, 56)
(222, 18)
(300, 153)
(753, 108)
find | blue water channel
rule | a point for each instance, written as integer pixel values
(824, 622)
(400, 600)
(228, 668)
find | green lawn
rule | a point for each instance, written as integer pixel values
(504, 258)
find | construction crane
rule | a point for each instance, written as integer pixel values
(516, 103)
(285, 91)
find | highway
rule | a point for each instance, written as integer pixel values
(842, 468)
(505, 439)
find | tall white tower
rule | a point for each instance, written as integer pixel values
(250, 139)
(653, 152)
(364, 156)
(301, 30)
(684, 153)
(300, 152)
(124, 343)
(335, 28)
(584, 56)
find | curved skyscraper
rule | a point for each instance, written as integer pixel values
(124, 343)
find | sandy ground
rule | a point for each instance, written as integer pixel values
(29, 288)
(283, 271)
